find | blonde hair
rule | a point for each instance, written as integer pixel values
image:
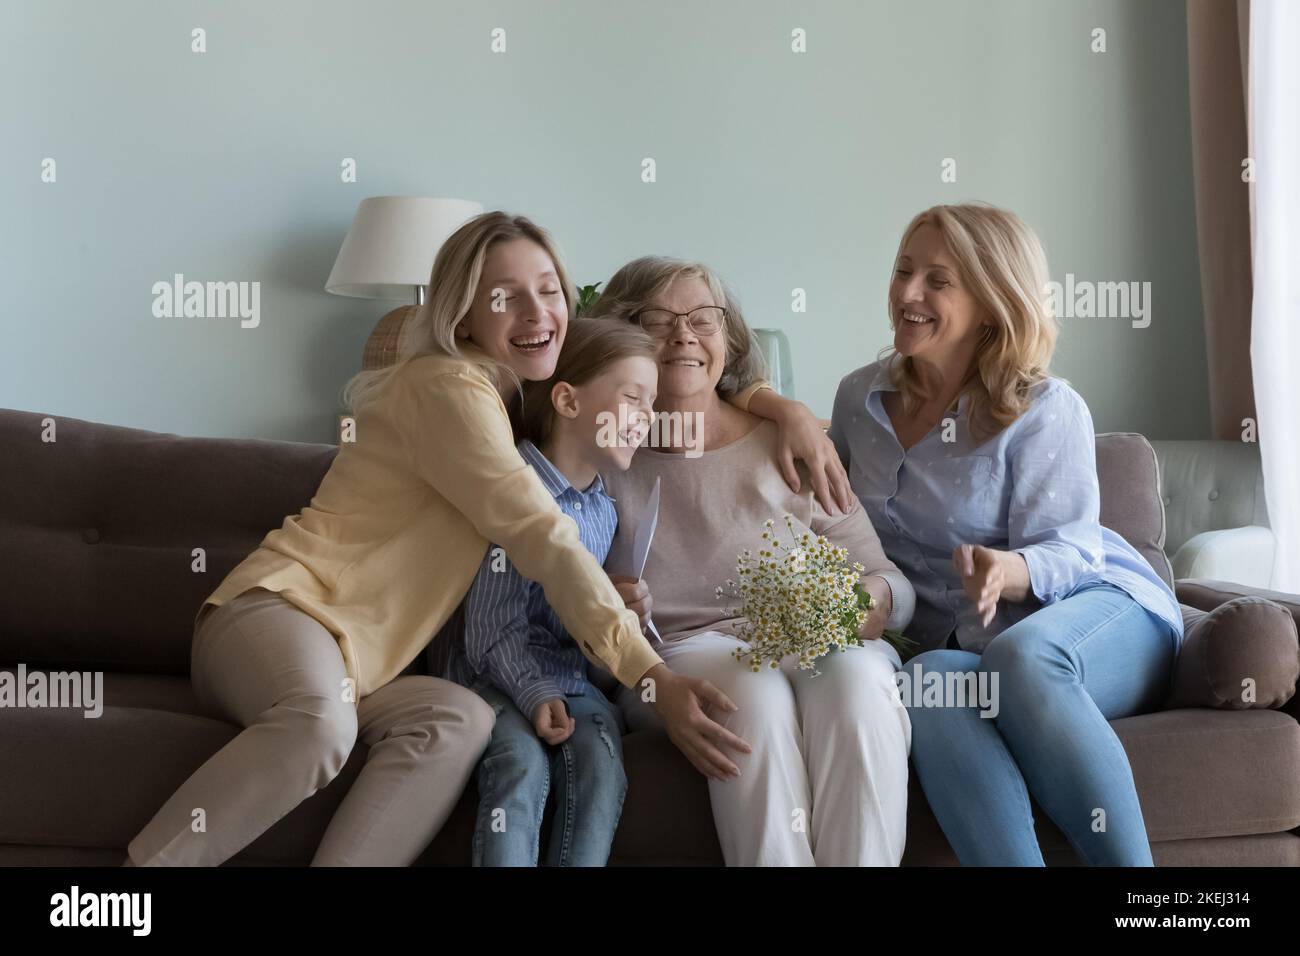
(1002, 263)
(452, 285)
(590, 347)
(634, 286)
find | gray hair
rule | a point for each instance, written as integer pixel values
(634, 286)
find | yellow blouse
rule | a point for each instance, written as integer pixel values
(389, 544)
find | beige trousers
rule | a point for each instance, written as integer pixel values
(263, 664)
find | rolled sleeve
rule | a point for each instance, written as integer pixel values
(1055, 504)
(741, 399)
(904, 600)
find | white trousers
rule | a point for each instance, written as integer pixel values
(826, 783)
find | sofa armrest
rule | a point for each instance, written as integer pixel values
(1240, 554)
(1206, 595)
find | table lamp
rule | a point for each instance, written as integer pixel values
(388, 254)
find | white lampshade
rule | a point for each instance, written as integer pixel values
(390, 248)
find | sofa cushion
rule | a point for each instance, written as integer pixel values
(1207, 595)
(1242, 654)
(95, 782)
(667, 819)
(1129, 479)
(1251, 789)
(1210, 773)
(99, 526)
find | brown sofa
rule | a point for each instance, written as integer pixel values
(97, 536)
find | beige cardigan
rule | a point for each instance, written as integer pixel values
(711, 508)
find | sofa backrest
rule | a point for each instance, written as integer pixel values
(98, 530)
(1129, 477)
(99, 526)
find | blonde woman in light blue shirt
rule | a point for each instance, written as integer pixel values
(977, 469)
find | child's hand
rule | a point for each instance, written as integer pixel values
(635, 594)
(552, 722)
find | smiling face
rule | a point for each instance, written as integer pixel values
(519, 313)
(690, 365)
(935, 318)
(624, 392)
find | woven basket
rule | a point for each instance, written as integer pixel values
(382, 346)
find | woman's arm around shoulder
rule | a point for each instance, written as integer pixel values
(458, 436)
(802, 438)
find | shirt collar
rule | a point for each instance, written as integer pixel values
(551, 476)
(883, 382)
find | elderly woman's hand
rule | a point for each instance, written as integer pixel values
(635, 594)
(801, 436)
(879, 589)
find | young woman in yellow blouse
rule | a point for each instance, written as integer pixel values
(304, 642)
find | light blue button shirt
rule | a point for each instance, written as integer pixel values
(1032, 488)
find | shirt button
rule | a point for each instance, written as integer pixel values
(577, 673)
(1214, 496)
(577, 506)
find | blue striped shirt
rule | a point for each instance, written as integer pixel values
(509, 636)
(1032, 489)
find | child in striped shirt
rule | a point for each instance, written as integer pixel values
(555, 732)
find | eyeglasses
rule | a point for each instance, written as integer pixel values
(706, 320)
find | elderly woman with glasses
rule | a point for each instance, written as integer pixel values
(826, 780)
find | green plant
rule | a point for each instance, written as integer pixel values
(587, 295)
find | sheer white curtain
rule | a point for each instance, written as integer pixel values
(1275, 319)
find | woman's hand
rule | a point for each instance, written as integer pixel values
(801, 436)
(552, 722)
(635, 594)
(988, 575)
(684, 704)
(879, 589)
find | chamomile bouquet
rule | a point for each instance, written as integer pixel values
(804, 599)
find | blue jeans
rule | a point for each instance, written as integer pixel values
(1062, 673)
(515, 776)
